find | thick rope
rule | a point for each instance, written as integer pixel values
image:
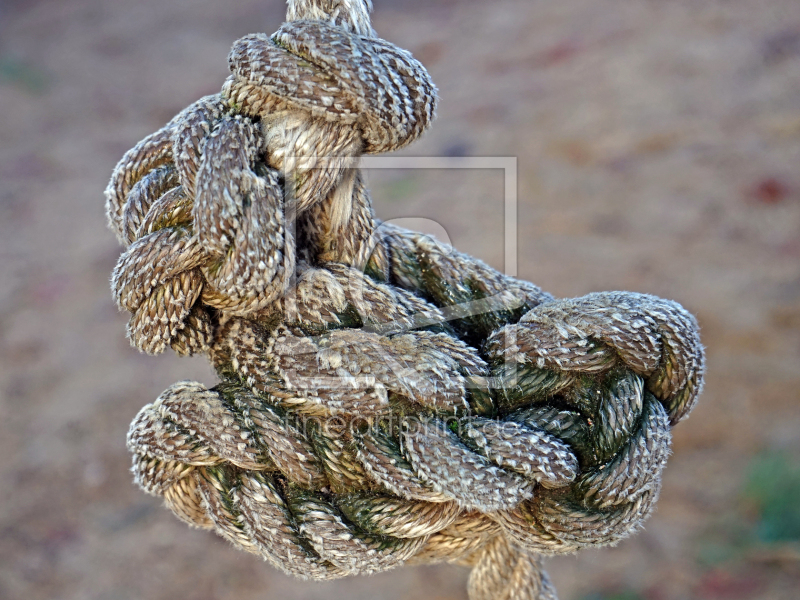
(384, 399)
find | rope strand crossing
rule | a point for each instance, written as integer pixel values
(383, 398)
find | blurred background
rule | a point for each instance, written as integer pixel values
(658, 149)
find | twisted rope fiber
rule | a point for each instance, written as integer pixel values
(384, 399)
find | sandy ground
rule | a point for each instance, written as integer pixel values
(658, 146)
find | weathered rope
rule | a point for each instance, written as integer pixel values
(384, 399)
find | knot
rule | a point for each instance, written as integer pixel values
(653, 337)
(215, 197)
(328, 96)
(383, 398)
(410, 446)
(363, 82)
(205, 229)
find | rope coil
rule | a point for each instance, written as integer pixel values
(384, 399)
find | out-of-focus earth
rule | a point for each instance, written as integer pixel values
(658, 150)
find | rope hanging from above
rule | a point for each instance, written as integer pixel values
(384, 399)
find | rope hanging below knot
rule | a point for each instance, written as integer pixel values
(383, 398)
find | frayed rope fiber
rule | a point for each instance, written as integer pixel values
(383, 398)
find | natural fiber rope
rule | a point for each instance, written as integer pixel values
(384, 399)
